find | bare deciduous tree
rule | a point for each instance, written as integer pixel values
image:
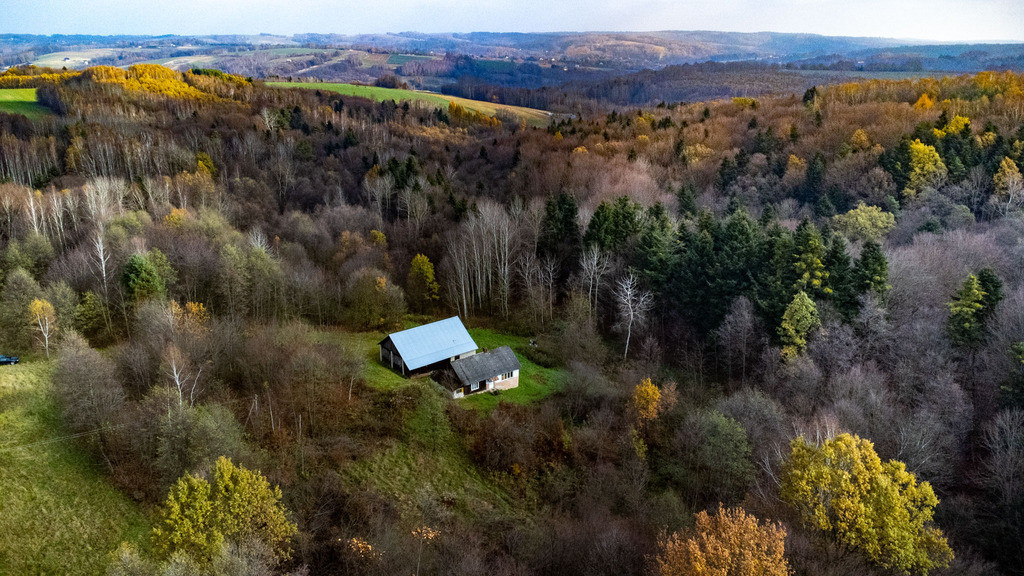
(634, 303)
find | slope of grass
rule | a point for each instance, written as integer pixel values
(532, 116)
(22, 101)
(431, 464)
(58, 514)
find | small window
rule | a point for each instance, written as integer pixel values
(474, 387)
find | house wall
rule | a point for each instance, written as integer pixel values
(508, 383)
(505, 384)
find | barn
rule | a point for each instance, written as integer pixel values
(428, 347)
(497, 369)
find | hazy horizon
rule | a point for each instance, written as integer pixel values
(995, 21)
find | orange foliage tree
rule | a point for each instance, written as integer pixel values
(728, 543)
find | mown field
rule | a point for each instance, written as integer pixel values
(533, 117)
(73, 58)
(22, 101)
(58, 513)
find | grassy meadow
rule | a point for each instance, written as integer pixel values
(532, 116)
(22, 101)
(58, 513)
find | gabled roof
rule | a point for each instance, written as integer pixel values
(429, 343)
(486, 365)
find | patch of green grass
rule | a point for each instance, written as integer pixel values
(532, 116)
(22, 101)
(399, 59)
(432, 464)
(535, 381)
(58, 513)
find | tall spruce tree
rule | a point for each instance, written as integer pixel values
(872, 271)
(811, 275)
(841, 278)
(965, 314)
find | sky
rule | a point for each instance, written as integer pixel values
(939, 20)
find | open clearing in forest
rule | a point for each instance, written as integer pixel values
(58, 512)
(532, 116)
(22, 101)
(535, 381)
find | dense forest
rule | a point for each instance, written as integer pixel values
(784, 334)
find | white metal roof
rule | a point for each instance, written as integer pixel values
(429, 343)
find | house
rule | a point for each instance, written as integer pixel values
(494, 370)
(428, 347)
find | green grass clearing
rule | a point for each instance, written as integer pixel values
(535, 381)
(399, 59)
(22, 101)
(58, 513)
(532, 116)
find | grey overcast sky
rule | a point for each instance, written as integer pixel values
(941, 20)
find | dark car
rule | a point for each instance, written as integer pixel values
(8, 359)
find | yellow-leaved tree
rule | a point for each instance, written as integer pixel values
(44, 319)
(865, 223)
(239, 504)
(646, 401)
(842, 487)
(1009, 184)
(728, 543)
(926, 168)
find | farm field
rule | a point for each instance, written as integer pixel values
(182, 63)
(533, 117)
(58, 513)
(72, 59)
(22, 101)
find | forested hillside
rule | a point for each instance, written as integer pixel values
(782, 333)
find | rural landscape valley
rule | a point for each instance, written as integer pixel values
(525, 302)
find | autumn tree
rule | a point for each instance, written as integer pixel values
(421, 286)
(199, 516)
(646, 401)
(865, 223)
(44, 319)
(729, 543)
(926, 169)
(1009, 184)
(800, 318)
(842, 488)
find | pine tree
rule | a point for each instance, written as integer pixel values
(965, 314)
(800, 318)
(841, 280)
(992, 286)
(872, 270)
(812, 276)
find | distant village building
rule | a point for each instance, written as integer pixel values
(446, 346)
